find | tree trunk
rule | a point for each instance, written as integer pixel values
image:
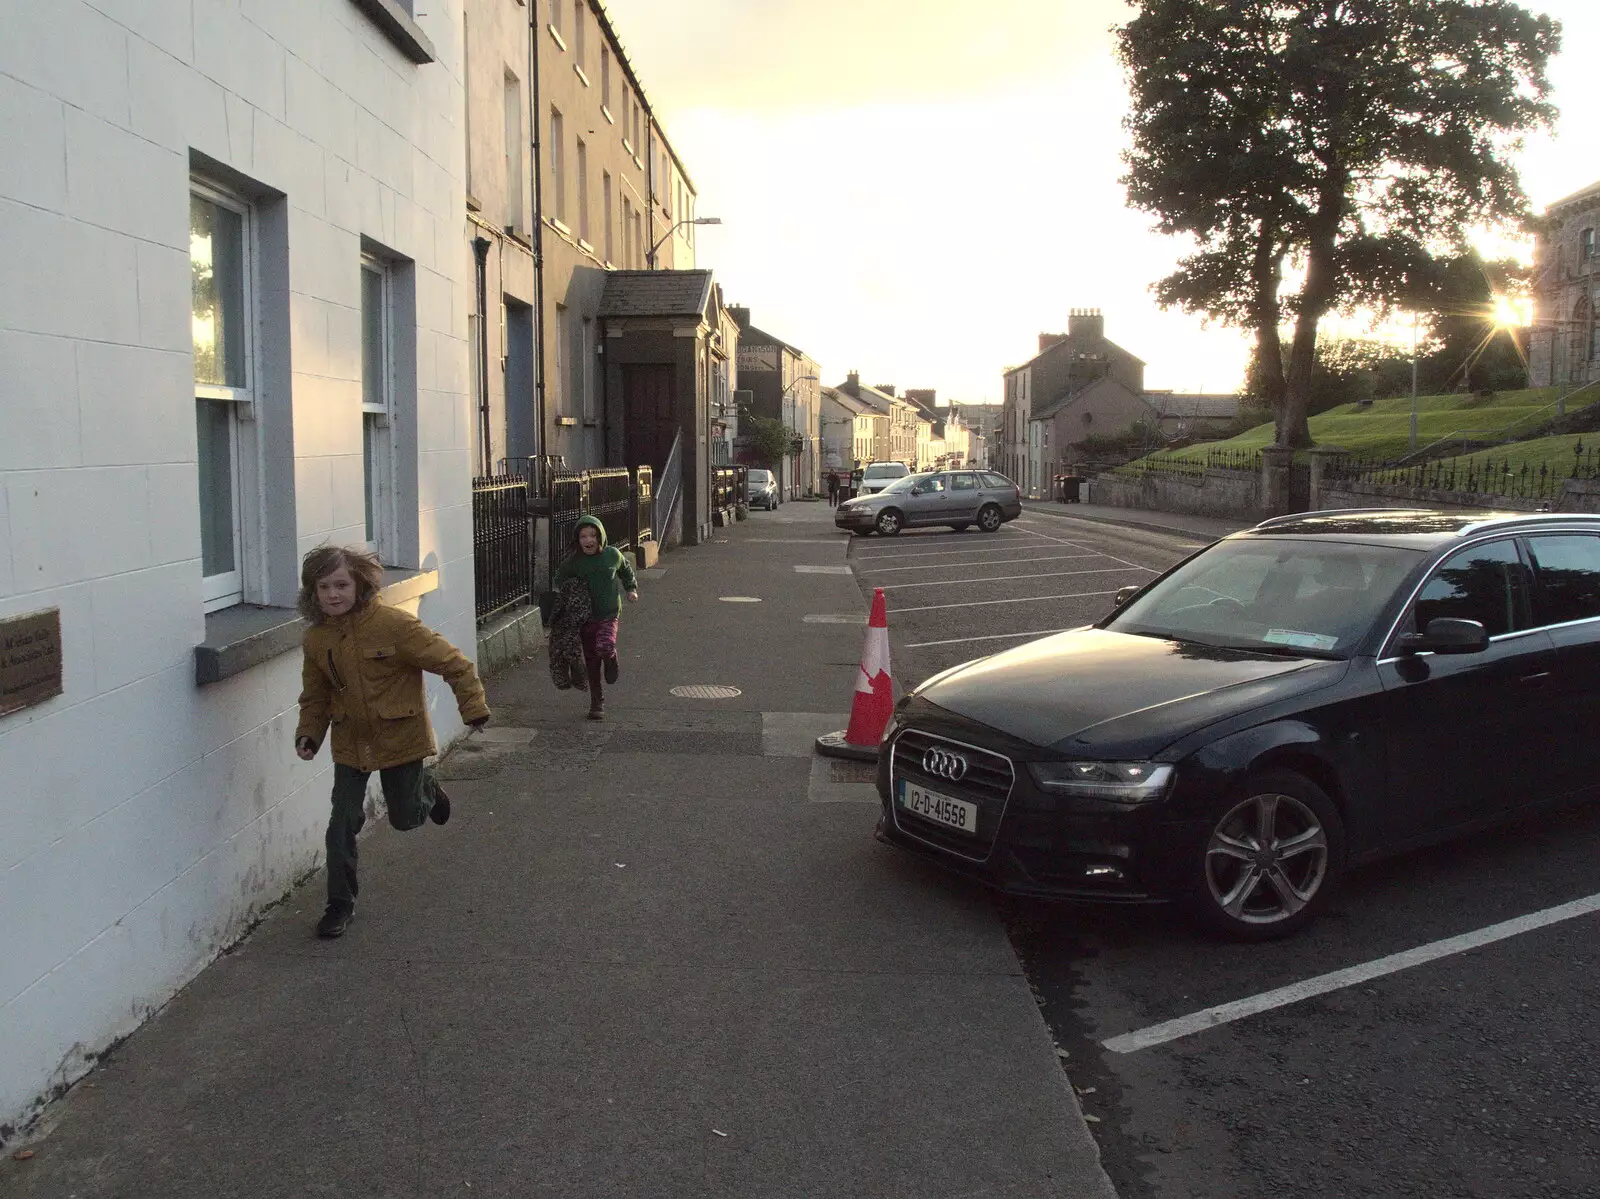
(1267, 273)
(1316, 297)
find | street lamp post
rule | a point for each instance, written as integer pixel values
(650, 258)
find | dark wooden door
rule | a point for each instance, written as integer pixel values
(649, 404)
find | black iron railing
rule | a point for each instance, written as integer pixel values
(611, 499)
(502, 544)
(643, 505)
(538, 471)
(1475, 475)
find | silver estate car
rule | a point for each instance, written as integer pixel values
(957, 498)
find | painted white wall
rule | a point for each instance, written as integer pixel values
(144, 821)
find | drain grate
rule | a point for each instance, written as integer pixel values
(705, 691)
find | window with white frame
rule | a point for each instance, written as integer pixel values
(581, 164)
(561, 349)
(558, 181)
(605, 76)
(606, 216)
(377, 404)
(578, 32)
(221, 264)
(514, 218)
(582, 374)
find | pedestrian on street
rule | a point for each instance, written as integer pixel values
(363, 675)
(833, 489)
(605, 569)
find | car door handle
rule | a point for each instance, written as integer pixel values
(1534, 679)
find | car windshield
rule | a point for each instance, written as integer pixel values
(886, 470)
(1273, 595)
(905, 484)
(759, 476)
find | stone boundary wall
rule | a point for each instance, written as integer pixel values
(1227, 494)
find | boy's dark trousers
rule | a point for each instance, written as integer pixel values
(407, 791)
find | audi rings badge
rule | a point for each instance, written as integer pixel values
(945, 764)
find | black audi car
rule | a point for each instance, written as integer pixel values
(1311, 693)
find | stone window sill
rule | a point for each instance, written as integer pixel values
(243, 636)
(399, 27)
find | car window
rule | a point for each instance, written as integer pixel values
(1312, 596)
(1567, 567)
(964, 482)
(1486, 583)
(993, 480)
(906, 483)
(934, 483)
(759, 476)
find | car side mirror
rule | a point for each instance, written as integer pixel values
(1447, 635)
(1124, 594)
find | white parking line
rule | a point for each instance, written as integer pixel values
(985, 637)
(948, 553)
(823, 570)
(1171, 1030)
(1054, 574)
(1076, 545)
(884, 570)
(1027, 599)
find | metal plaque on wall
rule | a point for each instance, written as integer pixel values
(30, 659)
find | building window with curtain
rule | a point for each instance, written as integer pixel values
(221, 263)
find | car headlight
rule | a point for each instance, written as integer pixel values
(1121, 782)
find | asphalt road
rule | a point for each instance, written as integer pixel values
(1473, 1075)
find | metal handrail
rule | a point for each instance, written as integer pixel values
(669, 489)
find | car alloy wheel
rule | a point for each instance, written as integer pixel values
(888, 522)
(989, 519)
(1271, 859)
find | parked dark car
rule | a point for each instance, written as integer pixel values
(957, 498)
(1311, 693)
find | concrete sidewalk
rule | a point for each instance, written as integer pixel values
(1208, 527)
(659, 956)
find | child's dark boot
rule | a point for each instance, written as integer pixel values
(334, 921)
(611, 669)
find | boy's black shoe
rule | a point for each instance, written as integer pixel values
(334, 921)
(611, 669)
(440, 812)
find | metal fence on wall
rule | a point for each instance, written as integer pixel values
(502, 544)
(1478, 475)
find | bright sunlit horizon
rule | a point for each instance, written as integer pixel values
(917, 198)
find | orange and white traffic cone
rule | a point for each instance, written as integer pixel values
(872, 701)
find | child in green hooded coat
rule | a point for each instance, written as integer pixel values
(606, 571)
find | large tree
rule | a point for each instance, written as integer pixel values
(1350, 146)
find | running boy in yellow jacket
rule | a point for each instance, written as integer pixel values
(362, 675)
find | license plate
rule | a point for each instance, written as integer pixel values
(930, 805)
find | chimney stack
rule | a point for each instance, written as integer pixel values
(1046, 340)
(886, 388)
(1086, 324)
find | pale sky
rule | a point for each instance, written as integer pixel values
(917, 188)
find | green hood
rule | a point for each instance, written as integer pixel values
(592, 522)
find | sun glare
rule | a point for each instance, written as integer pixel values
(1509, 312)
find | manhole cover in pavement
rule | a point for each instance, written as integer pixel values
(705, 691)
(738, 599)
